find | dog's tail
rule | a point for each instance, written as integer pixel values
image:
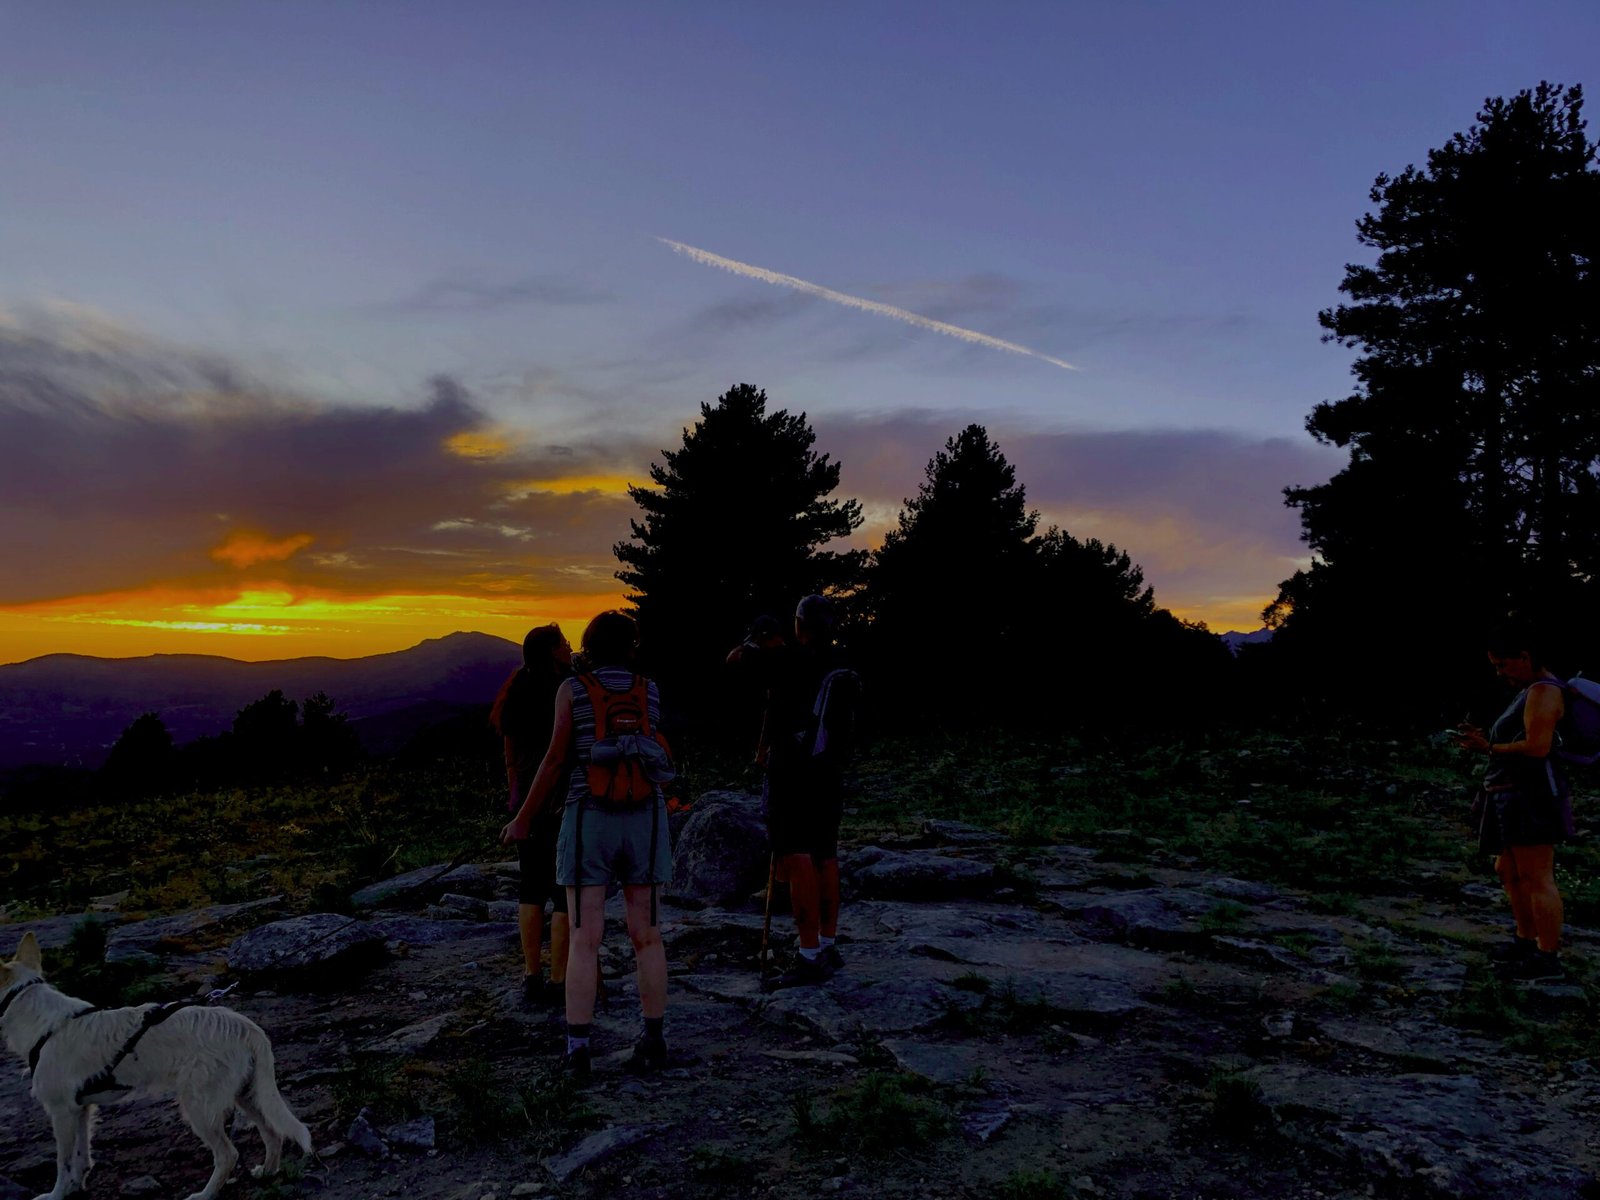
(263, 1087)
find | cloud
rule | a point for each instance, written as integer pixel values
(246, 548)
(971, 336)
(127, 464)
(465, 294)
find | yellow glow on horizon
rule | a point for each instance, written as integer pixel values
(245, 548)
(571, 485)
(478, 443)
(277, 621)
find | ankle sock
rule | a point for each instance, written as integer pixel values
(810, 955)
(578, 1037)
(824, 942)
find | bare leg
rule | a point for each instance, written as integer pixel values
(648, 953)
(530, 924)
(803, 899)
(1505, 865)
(828, 896)
(560, 938)
(1536, 873)
(583, 952)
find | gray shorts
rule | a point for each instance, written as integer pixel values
(615, 846)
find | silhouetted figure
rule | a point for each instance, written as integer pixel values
(523, 716)
(1525, 800)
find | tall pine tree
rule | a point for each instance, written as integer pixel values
(735, 526)
(1474, 476)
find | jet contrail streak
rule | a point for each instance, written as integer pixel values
(872, 306)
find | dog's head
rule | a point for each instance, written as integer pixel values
(26, 965)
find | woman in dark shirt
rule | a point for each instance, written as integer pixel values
(1526, 801)
(523, 717)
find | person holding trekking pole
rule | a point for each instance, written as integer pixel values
(522, 717)
(607, 762)
(1525, 800)
(811, 706)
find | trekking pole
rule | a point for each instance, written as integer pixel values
(766, 920)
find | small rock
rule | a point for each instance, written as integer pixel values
(331, 1150)
(986, 1120)
(145, 1185)
(527, 1189)
(596, 1147)
(365, 1138)
(411, 1135)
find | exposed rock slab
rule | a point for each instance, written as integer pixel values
(52, 932)
(411, 1039)
(944, 1063)
(1442, 1135)
(149, 935)
(916, 874)
(397, 929)
(597, 1147)
(429, 883)
(301, 943)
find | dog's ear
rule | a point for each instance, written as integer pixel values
(28, 952)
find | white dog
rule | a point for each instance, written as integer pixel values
(81, 1057)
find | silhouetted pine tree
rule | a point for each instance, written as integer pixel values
(1474, 476)
(734, 527)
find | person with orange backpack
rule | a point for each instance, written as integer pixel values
(613, 827)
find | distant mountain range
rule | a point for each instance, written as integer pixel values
(68, 709)
(1235, 639)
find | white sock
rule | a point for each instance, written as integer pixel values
(811, 954)
(824, 942)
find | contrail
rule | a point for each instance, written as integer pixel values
(872, 306)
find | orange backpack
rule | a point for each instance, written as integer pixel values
(628, 757)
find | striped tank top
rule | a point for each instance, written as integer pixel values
(615, 679)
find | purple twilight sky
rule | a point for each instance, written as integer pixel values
(1103, 230)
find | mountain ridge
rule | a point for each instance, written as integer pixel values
(67, 709)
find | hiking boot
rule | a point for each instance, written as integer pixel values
(649, 1054)
(831, 956)
(804, 972)
(576, 1064)
(1515, 950)
(1536, 967)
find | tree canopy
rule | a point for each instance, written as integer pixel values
(1473, 483)
(736, 525)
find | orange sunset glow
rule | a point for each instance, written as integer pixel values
(275, 621)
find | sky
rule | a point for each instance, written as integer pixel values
(328, 327)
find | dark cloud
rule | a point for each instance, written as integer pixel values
(465, 294)
(124, 463)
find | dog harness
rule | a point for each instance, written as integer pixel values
(105, 1080)
(13, 993)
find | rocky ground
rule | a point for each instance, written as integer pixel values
(1012, 1022)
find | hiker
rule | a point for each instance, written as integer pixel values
(811, 700)
(522, 717)
(613, 827)
(1525, 801)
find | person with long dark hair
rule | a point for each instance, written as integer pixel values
(1525, 800)
(606, 760)
(522, 716)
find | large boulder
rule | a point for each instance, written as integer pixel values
(316, 940)
(721, 855)
(51, 932)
